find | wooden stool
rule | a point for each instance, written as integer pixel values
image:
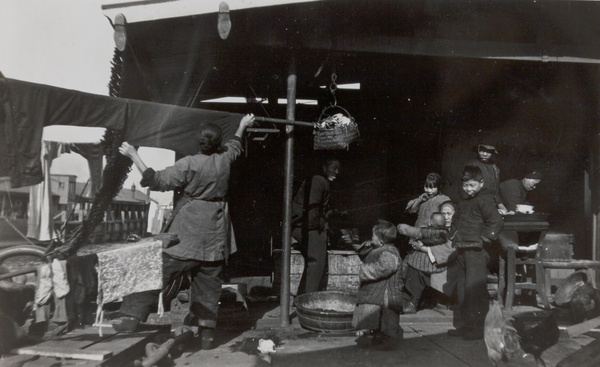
(544, 278)
(507, 277)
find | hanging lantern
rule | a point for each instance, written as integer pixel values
(223, 21)
(120, 35)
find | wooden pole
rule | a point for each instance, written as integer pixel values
(286, 122)
(284, 296)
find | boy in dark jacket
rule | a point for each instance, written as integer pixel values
(379, 300)
(476, 221)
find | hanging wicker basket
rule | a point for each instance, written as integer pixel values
(335, 129)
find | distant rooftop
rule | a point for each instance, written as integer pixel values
(126, 195)
(5, 187)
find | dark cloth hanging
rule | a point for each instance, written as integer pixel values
(25, 108)
(93, 153)
(83, 284)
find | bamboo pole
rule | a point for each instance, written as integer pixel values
(284, 296)
(288, 121)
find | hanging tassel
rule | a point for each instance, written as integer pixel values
(100, 301)
(161, 306)
(99, 319)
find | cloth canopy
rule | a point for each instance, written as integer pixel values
(25, 108)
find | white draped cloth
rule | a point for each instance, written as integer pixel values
(39, 212)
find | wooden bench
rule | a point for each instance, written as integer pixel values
(545, 281)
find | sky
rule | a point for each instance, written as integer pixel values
(67, 44)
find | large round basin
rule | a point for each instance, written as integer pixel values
(327, 311)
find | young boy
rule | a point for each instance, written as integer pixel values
(379, 295)
(475, 223)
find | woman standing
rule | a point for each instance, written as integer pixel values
(202, 223)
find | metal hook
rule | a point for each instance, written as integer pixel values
(333, 88)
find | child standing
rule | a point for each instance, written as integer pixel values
(379, 295)
(475, 222)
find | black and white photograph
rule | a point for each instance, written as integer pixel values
(299, 183)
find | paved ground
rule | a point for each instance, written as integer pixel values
(425, 344)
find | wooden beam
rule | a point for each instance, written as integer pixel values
(58, 352)
(285, 122)
(385, 44)
(583, 327)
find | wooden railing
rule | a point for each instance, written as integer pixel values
(120, 220)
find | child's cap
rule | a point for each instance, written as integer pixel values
(535, 175)
(486, 147)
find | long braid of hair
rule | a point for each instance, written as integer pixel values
(114, 174)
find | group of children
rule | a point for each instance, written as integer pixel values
(380, 295)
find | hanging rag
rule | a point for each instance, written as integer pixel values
(43, 289)
(59, 278)
(51, 283)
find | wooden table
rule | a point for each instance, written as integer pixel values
(509, 261)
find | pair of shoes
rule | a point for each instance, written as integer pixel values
(125, 324)
(408, 308)
(207, 336)
(461, 331)
(473, 334)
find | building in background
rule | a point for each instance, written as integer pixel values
(14, 204)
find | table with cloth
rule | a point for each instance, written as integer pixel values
(99, 273)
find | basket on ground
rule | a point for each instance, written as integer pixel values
(335, 130)
(327, 311)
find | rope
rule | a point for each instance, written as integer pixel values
(8, 195)
(256, 96)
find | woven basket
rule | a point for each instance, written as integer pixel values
(338, 137)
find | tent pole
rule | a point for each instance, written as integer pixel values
(284, 297)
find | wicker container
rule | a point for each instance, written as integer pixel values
(336, 137)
